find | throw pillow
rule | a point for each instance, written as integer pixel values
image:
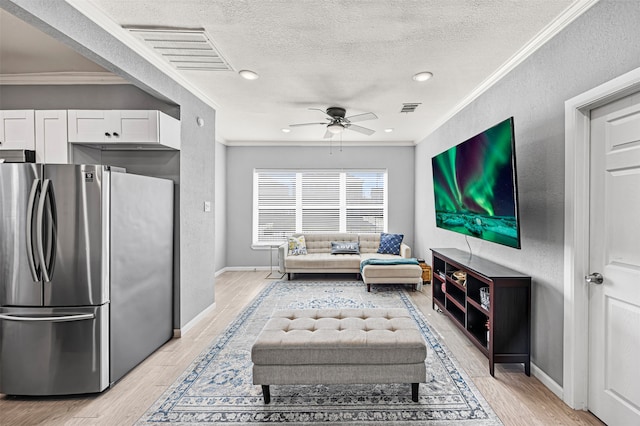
(390, 243)
(297, 245)
(345, 248)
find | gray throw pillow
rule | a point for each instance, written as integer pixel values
(345, 247)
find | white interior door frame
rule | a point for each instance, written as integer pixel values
(576, 232)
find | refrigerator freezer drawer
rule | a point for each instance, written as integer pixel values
(54, 351)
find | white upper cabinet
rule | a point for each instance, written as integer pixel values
(17, 129)
(122, 129)
(51, 137)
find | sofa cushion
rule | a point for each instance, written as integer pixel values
(321, 243)
(297, 245)
(369, 243)
(390, 243)
(323, 261)
(345, 248)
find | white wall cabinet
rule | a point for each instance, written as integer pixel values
(17, 129)
(51, 137)
(122, 129)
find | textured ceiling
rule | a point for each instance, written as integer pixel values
(359, 55)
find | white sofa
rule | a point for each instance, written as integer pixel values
(320, 260)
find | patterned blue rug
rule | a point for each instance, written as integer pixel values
(217, 388)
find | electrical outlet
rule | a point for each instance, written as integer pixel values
(207, 206)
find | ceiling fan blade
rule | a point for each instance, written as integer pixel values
(306, 124)
(322, 111)
(361, 117)
(360, 129)
(328, 135)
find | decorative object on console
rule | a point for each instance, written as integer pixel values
(345, 247)
(460, 277)
(390, 243)
(297, 245)
(484, 297)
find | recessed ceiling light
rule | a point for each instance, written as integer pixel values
(389, 130)
(422, 76)
(285, 130)
(248, 74)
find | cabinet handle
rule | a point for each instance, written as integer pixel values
(116, 134)
(107, 134)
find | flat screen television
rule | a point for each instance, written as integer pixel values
(475, 186)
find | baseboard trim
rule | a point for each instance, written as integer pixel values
(247, 268)
(179, 332)
(551, 384)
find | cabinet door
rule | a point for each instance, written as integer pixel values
(89, 125)
(136, 126)
(51, 137)
(113, 126)
(17, 129)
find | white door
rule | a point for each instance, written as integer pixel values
(614, 305)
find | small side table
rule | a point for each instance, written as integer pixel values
(426, 271)
(273, 275)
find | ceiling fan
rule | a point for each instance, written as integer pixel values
(337, 122)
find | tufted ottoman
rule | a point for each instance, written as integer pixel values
(392, 274)
(339, 346)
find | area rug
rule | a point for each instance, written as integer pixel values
(217, 388)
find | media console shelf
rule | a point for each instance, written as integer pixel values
(503, 331)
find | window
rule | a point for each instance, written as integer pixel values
(291, 201)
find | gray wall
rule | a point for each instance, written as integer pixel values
(66, 24)
(221, 207)
(90, 96)
(242, 160)
(598, 46)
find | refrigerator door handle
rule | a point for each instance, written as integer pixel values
(47, 261)
(35, 191)
(65, 318)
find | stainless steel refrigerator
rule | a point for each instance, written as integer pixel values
(86, 255)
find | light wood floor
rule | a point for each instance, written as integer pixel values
(516, 398)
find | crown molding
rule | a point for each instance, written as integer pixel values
(61, 78)
(569, 15)
(323, 143)
(134, 43)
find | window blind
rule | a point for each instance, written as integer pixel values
(317, 201)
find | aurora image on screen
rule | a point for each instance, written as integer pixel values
(475, 187)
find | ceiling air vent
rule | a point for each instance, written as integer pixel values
(185, 49)
(410, 107)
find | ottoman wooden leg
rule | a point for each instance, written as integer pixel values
(414, 391)
(369, 287)
(267, 395)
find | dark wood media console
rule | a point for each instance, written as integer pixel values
(503, 331)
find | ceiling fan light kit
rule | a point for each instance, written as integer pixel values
(335, 128)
